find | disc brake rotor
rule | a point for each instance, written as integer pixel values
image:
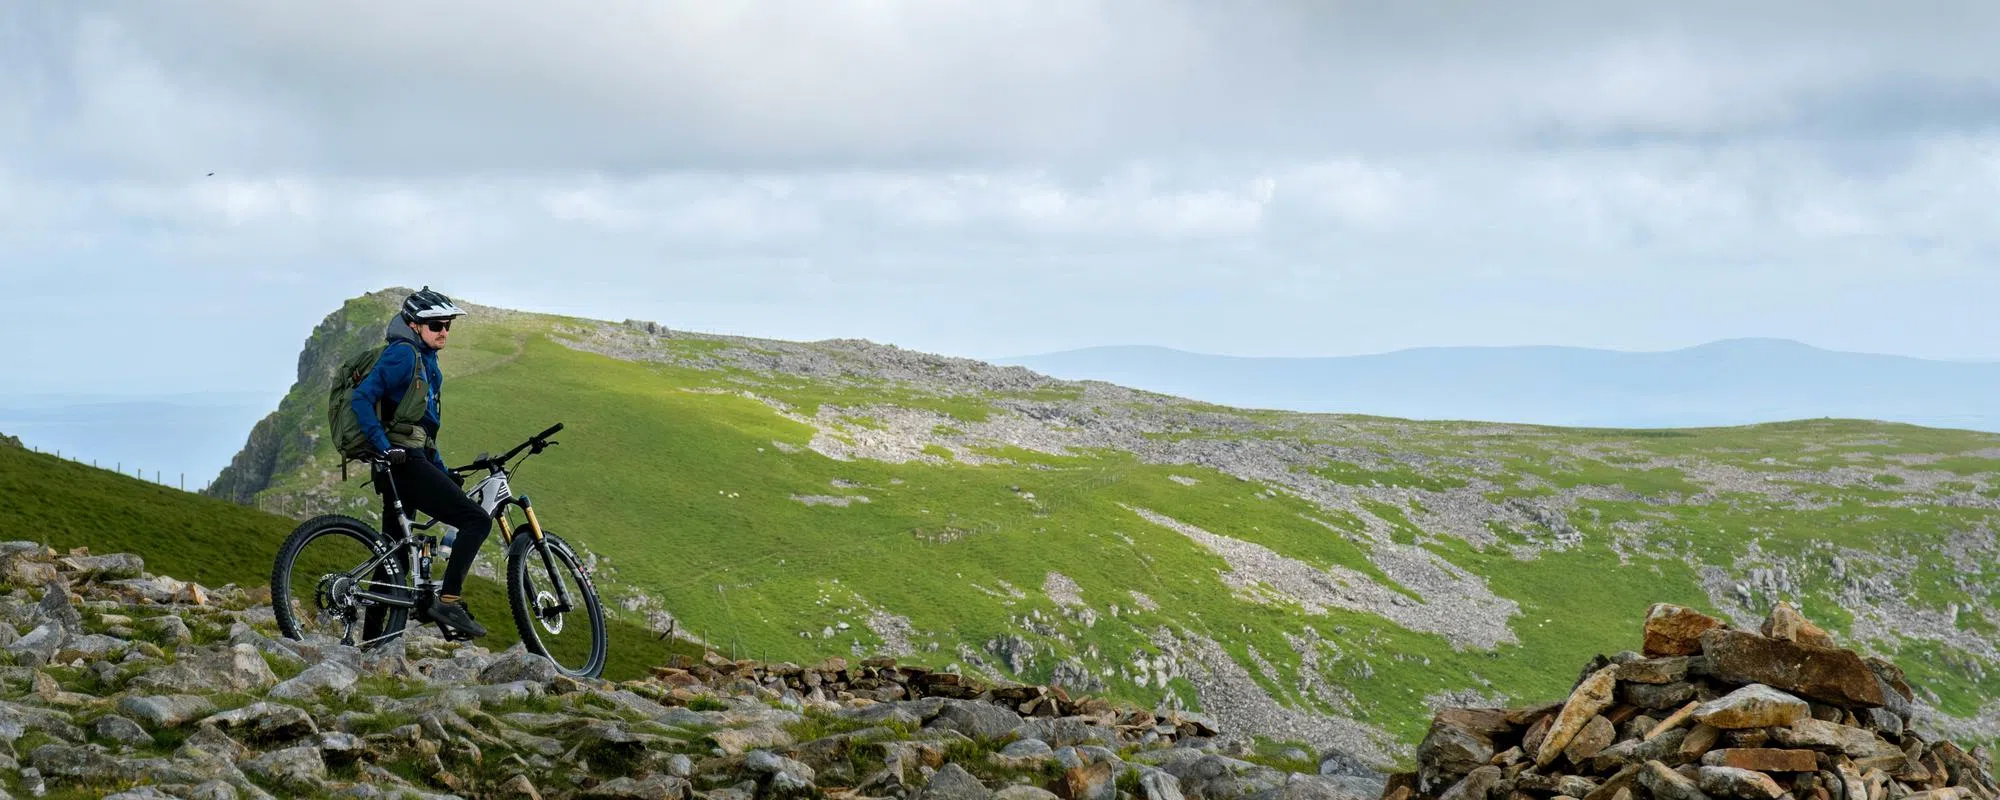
(546, 613)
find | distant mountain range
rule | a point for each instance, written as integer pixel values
(1728, 382)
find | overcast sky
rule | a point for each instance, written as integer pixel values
(991, 179)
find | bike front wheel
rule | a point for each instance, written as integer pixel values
(317, 587)
(556, 608)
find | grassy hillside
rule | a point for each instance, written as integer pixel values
(1288, 571)
(64, 505)
(212, 542)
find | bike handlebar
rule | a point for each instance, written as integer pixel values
(537, 441)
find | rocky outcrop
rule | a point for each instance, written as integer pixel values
(1706, 712)
(283, 441)
(121, 684)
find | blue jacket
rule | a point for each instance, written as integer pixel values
(391, 378)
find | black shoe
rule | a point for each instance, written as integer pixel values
(455, 620)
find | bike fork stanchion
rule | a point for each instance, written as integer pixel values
(548, 560)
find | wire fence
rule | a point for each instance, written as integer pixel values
(174, 480)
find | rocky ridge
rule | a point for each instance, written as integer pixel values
(1281, 452)
(117, 683)
(1706, 710)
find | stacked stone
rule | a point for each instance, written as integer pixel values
(883, 680)
(1705, 711)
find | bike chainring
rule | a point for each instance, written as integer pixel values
(335, 597)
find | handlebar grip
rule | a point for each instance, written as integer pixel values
(550, 432)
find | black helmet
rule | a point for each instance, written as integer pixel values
(425, 305)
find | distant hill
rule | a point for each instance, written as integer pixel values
(1323, 579)
(1729, 382)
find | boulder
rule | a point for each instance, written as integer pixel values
(1753, 706)
(167, 711)
(1762, 759)
(952, 782)
(1742, 784)
(1459, 741)
(1673, 630)
(979, 721)
(1589, 697)
(1785, 622)
(1821, 673)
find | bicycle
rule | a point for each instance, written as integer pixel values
(336, 593)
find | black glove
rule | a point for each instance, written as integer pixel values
(396, 455)
(456, 477)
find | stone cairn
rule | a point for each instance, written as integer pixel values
(1706, 711)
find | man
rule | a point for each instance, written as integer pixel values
(409, 363)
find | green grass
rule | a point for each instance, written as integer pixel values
(65, 505)
(683, 488)
(1403, 476)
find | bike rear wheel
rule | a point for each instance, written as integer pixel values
(572, 637)
(312, 591)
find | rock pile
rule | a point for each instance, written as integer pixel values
(883, 680)
(1704, 711)
(116, 683)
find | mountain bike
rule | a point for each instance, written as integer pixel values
(339, 576)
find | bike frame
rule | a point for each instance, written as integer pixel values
(409, 549)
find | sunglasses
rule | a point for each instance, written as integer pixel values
(438, 327)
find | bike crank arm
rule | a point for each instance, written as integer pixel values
(379, 639)
(384, 599)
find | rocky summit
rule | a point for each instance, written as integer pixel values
(117, 683)
(1705, 711)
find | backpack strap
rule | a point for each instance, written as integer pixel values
(412, 434)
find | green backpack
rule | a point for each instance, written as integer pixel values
(402, 426)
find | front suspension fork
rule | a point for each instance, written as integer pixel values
(548, 561)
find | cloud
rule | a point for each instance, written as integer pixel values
(633, 87)
(1003, 178)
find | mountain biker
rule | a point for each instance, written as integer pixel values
(423, 480)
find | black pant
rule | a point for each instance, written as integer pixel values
(426, 488)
